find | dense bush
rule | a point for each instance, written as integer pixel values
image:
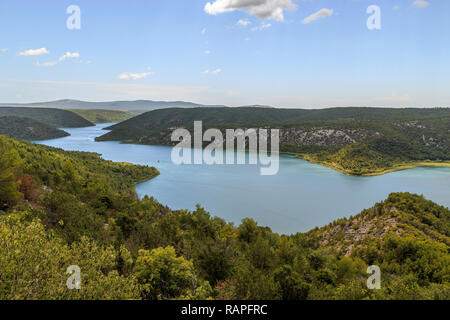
(83, 211)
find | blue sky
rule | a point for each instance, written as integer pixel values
(233, 52)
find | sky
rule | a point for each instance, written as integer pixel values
(283, 53)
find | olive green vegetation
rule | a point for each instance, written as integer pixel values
(28, 129)
(72, 208)
(252, 116)
(53, 117)
(380, 156)
(356, 141)
(103, 116)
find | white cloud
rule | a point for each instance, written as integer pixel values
(207, 52)
(271, 9)
(212, 72)
(421, 3)
(243, 22)
(3, 50)
(67, 55)
(396, 7)
(322, 13)
(262, 26)
(134, 76)
(35, 52)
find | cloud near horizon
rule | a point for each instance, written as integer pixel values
(212, 72)
(67, 55)
(134, 76)
(264, 9)
(34, 52)
(322, 13)
(421, 3)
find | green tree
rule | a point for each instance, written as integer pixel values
(248, 231)
(33, 264)
(291, 285)
(163, 275)
(215, 264)
(9, 164)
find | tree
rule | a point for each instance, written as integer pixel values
(291, 285)
(9, 164)
(163, 275)
(27, 187)
(33, 264)
(215, 264)
(248, 231)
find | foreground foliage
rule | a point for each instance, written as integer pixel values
(71, 208)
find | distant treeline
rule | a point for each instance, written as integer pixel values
(357, 141)
(54, 117)
(28, 129)
(38, 123)
(102, 116)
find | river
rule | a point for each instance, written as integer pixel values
(300, 197)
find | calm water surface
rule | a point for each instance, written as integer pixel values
(301, 197)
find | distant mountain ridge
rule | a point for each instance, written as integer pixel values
(137, 105)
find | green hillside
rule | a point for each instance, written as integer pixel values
(82, 210)
(28, 129)
(248, 116)
(53, 117)
(356, 141)
(102, 116)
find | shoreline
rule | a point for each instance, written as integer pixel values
(399, 167)
(396, 168)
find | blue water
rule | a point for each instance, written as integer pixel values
(300, 197)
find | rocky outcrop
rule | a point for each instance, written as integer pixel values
(324, 137)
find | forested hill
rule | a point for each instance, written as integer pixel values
(28, 129)
(357, 141)
(248, 116)
(103, 116)
(402, 214)
(53, 117)
(61, 208)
